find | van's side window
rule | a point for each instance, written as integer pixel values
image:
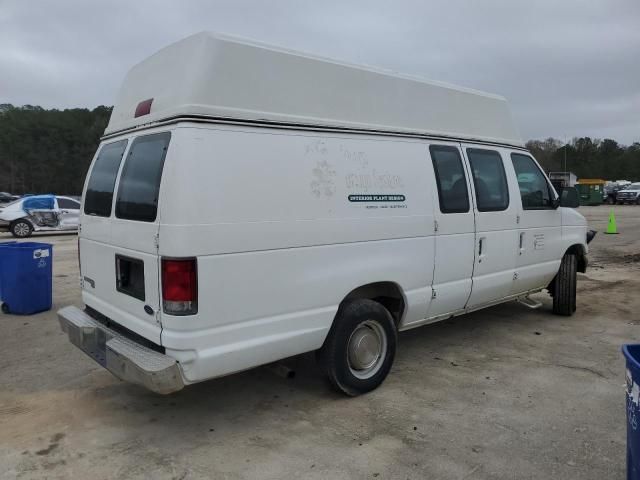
(489, 180)
(534, 188)
(99, 195)
(140, 179)
(452, 184)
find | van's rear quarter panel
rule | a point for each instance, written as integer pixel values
(278, 241)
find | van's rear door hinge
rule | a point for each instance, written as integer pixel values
(435, 225)
(156, 241)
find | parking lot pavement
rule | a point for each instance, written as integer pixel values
(504, 393)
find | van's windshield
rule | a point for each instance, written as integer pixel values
(140, 179)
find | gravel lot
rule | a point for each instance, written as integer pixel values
(505, 393)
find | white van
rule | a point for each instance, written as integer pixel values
(248, 204)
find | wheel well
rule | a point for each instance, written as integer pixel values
(579, 251)
(21, 219)
(388, 294)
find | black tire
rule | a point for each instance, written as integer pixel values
(610, 201)
(369, 322)
(21, 229)
(638, 201)
(5, 308)
(564, 287)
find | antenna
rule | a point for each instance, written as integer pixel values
(565, 153)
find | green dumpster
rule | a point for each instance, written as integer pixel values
(591, 191)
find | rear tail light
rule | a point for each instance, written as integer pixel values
(179, 286)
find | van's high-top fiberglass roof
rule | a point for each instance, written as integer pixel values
(223, 77)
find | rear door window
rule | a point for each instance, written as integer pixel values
(140, 179)
(99, 195)
(489, 180)
(68, 204)
(451, 181)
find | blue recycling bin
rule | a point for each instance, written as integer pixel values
(632, 355)
(26, 277)
(3, 244)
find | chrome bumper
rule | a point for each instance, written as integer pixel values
(126, 359)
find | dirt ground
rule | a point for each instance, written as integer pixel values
(505, 393)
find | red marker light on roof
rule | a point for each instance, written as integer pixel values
(143, 108)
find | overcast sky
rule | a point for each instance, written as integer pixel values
(568, 67)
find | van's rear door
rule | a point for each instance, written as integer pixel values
(119, 232)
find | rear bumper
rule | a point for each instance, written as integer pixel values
(124, 358)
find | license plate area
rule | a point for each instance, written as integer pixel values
(130, 277)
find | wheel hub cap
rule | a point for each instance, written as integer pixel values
(367, 348)
(364, 348)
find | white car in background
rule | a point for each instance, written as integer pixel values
(39, 213)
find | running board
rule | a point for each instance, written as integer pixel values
(529, 302)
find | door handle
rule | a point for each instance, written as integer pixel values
(481, 249)
(521, 247)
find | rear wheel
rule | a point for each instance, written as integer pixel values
(21, 229)
(5, 308)
(359, 350)
(564, 287)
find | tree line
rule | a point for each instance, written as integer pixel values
(49, 151)
(589, 158)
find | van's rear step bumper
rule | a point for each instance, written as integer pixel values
(126, 359)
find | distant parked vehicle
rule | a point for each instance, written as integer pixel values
(7, 197)
(38, 213)
(630, 194)
(610, 192)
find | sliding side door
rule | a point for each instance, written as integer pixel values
(455, 231)
(496, 225)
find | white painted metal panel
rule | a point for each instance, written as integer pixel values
(454, 252)
(101, 239)
(280, 241)
(219, 76)
(497, 231)
(539, 248)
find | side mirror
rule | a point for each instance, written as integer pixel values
(569, 198)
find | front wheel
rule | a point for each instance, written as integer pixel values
(564, 287)
(21, 229)
(359, 350)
